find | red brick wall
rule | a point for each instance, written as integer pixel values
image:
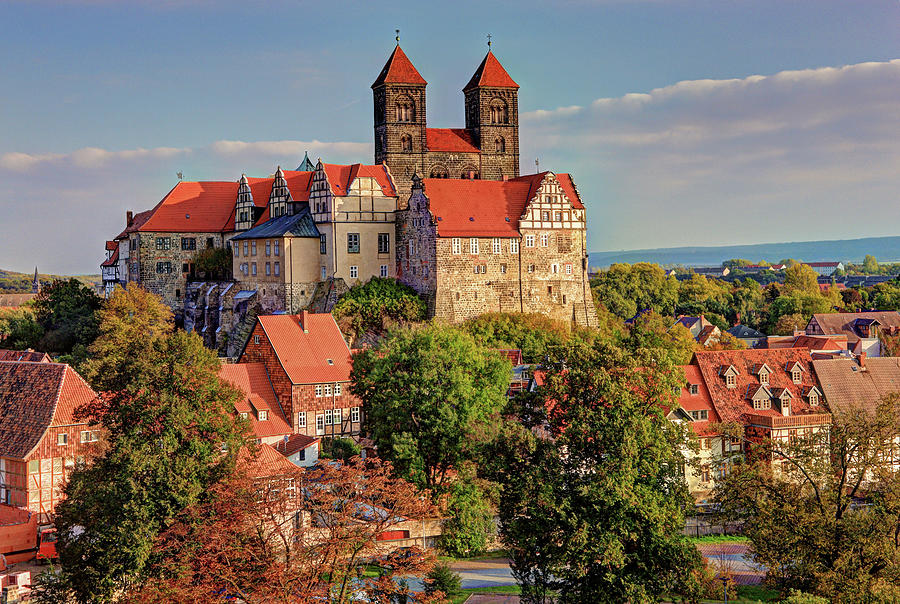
(262, 352)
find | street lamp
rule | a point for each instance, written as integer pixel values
(724, 580)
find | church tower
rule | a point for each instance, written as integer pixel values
(492, 116)
(400, 133)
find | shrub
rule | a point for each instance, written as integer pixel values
(339, 448)
(444, 579)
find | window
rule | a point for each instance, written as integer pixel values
(323, 244)
(496, 246)
(554, 268)
(384, 243)
(163, 267)
(62, 439)
(277, 268)
(406, 143)
(530, 268)
(188, 243)
(268, 269)
(34, 466)
(694, 388)
(764, 378)
(473, 245)
(320, 424)
(529, 240)
(514, 246)
(245, 248)
(704, 473)
(502, 269)
(163, 243)
(499, 112)
(263, 415)
(329, 417)
(699, 416)
(500, 145)
(89, 436)
(545, 240)
(277, 245)
(185, 267)
(439, 172)
(301, 419)
(354, 272)
(252, 248)
(557, 216)
(384, 270)
(268, 248)
(796, 376)
(545, 216)
(327, 389)
(704, 443)
(813, 399)
(324, 273)
(455, 245)
(405, 111)
(253, 268)
(337, 389)
(256, 339)
(318, 389)
(237, 250)
(352, 243)
(568, 269)
(480, 268)
(354, 414)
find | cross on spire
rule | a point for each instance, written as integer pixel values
(489, 40)
(397, 36)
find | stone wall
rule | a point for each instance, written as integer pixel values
(171, 285)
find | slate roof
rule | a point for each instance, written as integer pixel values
(486, 208)
(300, 224)
(24, 355)
(847, 386)
(305, 356)
(398, 70)
(33, 397)
(732, 404)
(490, 73)
(458, 140)
(294, 443)
(253, 381)
(742, 331)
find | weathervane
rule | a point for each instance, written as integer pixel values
(397, 37)
(489, 40)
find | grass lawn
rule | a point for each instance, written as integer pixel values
(719, 539)
(464, 594)
(491, 555)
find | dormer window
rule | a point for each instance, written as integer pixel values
(263, 415)
(764, 377)
(813, 399)
(761, 399)
(694, 388)
(796, 375)
(700, 415)
(730, 381)
(243, 415)
(729, 373)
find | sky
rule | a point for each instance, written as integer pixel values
(682, 122)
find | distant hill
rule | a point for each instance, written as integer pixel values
(12, 282)
(886, 249)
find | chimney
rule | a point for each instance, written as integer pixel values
(505, 177)
(304, 318)
(862, 360)
(129, 218)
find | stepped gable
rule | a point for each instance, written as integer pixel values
(341, 177)
(309, 346)
(457, 140)
(490, 74)
(734, 404)
(33, 397)
(253, 382)
(399, 70)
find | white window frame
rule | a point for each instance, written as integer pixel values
(473, 245)
(263, 415)
(324, 273)
(496, 246)
(337, 389)
(301, 419)
(354, 272)
(327, 389)
(329, 417)
(513, 246)
(320, 425)
(529, 240)
(62, 439)
(545, 240)
(568, 269)
(354, 415)
(384, 270)
(318, 390)
(455, 246)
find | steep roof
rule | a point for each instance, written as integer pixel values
(742, 331)
(253, 381)
(136, 223)
(458, 140)
(33, 397)
(733, 404)
(490, 73)
(113, 258)
(341, 177)
(486, 208)
(294, 443)
(398, 70)
(203, 207)
(845, 322)
(300, 224)
(317, 355)
(267, 463)
(24, 355)
(847, 386)
(697, 402)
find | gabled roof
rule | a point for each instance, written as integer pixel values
(253, 381)
(845, 322)
(203, 207)
(341, 177)
(697, 402)
(742, 331)
(267, 463)
(294, 443)
(847, 386)
(113, 258)
(486, 208)
(136, 223)
(305, 356)
(34, 397)
(398, 70)
(300, 224)
(458, 140)
(490, 73)
(24, 355)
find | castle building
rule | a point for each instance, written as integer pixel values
(487, 148)
(473, 246)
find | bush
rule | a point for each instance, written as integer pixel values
(444, 579)
(799, 597)
(372, 306)
(339, 448)
(470, 521)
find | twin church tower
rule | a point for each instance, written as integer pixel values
(487, 148)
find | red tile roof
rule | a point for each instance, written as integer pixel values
(819, 343)
(398, 70)
(294, 443)
(33, 397)
(458, 140)
(305, 356)
(137, 222)
(486, 208)
(341, 177)
(491, 73)
(267, 463)
(253, 381)
(111, 245)
(113, 258)
(25, 355)
(848, 387)
(733, 404)
(203, 207)
(299, 184)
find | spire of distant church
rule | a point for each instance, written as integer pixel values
(306, 165)
(35, 284)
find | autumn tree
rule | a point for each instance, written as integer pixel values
(425, 392)
(822, 511)
(170, 434)
(652, 331)
(593, 501)
(296, 535)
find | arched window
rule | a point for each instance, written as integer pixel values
(500, 145)
(405, 110)
(469, 172)
(406, 143)
(499, 112)
(439, 172)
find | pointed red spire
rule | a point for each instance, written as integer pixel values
(491, 73)
(399, 70)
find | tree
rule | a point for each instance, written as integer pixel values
(19, 329)
(801, 278)
(66, 310)
(822, 511)
(870, 265)
(727, 342)
(787, 325)
(171, 433)
(339, 448)
(426, 392)
(470, 519)
(443, 578)
(377, 305)
(214, 263)
(536, 335)
(302, 535)
(625, 289)
(593, 501)
(652, 331)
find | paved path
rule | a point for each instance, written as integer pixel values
(484, 573)
(734, 557)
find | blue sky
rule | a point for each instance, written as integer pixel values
(682, 122)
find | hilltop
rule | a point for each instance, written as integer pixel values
(12, 282)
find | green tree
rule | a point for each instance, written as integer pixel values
(426, 392)
(339, 448)
(19, 329)
(885, 296)
(377, 305)
(469, 520)
(870, 265)
(594, 510)
(170, 434)
(652, 331)
(67, 311)
(444, 579)
(536, 335)
(625, 289)
(214, 263)
(801, 278)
